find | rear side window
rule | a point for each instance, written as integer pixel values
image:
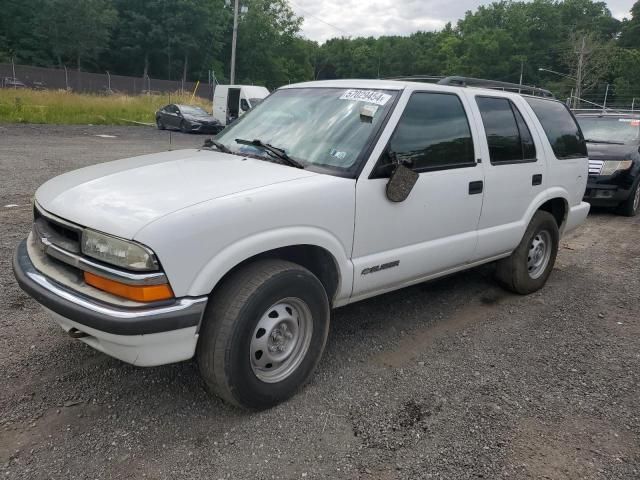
(432, 134)
(562, 130)
(507, 133)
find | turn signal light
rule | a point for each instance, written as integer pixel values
(138, 293)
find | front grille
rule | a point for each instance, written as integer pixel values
(595, 166)
(58, 232)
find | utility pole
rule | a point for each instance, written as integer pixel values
(633, 104)
(606, 94)
(233, 42)
(581, 54)
(521, 73)
(13, 70)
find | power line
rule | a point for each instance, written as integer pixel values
(319, 19)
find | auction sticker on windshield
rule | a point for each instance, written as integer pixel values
(370, 96)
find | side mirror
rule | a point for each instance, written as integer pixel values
(244, 105)
(400, 183)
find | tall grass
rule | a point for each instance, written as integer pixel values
(67, 108)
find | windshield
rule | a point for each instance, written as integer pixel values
(192, 110)
(323, 127)
(610, 129)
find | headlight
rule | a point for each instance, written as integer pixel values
(612, 166)
(116, 251)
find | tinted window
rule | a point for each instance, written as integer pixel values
(508, 136)
(562, 130)
(433, 133)
(528, 147)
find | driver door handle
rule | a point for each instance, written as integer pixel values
(476, 187)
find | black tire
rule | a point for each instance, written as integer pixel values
(231, 318)
(631, 206)
(184, 128)
(159, 124)
(514, 272)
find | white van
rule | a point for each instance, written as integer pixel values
(233, 101)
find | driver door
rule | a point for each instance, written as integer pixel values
(435, 229)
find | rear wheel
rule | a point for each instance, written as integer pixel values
(631, 206)
(160, 124)
(263, 333)
(530, 264)
(184, 128)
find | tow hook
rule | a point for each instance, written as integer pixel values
(75, 333)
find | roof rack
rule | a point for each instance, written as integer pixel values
(496, 85)
(417, 78)
(476, 82)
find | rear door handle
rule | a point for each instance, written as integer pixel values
(475, 187)
(536, 179)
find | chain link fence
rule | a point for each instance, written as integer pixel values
(20, 76)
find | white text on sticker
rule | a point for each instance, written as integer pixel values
(370, 96)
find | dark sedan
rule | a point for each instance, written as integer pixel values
(613, 141)
(187, 118)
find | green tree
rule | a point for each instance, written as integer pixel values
(630, 35)
(267, 36)
(79, 30)
(22, 32)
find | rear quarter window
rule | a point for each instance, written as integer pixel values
(561, 129)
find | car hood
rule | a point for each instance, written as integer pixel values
(606, 151)
(123, 196)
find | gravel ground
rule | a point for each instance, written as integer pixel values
(453, 379)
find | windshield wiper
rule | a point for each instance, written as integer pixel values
(607, 142)
(278, 153)
(209, 142)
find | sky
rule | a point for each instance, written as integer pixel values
(324, 19)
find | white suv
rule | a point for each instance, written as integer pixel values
(325, 194)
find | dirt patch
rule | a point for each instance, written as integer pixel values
(571, 449)
(414, 343)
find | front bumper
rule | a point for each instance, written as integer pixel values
(206, 128)
(144, 336)
(605, 195)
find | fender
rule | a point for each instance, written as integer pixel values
(232, 255)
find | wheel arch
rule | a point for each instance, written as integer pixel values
(559, 208)
(323, 256)
(556, 202)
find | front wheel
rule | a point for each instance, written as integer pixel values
(530, 264)
(263, 333)
(631, 206)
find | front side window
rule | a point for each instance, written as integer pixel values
(508, 136)
(318, 127)
(560, 127)
(433, 133)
